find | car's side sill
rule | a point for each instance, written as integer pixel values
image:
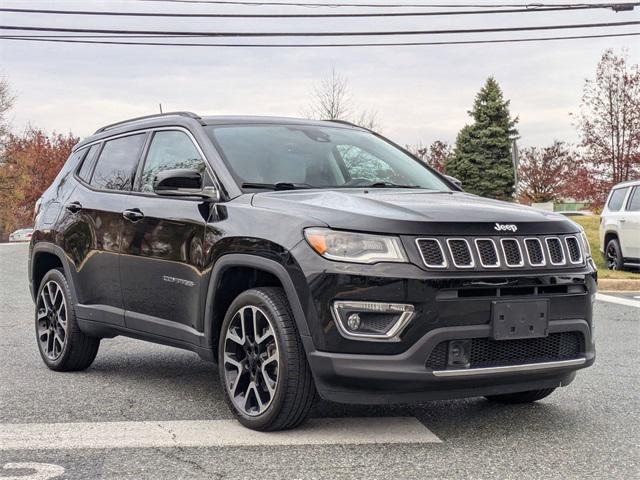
(527, 367)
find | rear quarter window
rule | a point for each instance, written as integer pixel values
(634, 201)
(118, 162)
(89, 162)
(617, 199)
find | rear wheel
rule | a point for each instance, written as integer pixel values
(521, 397)
(613, 255)
(62, 346)
(267, 380)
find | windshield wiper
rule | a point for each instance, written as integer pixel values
(277, 185)
(390, 185)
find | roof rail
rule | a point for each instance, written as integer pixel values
(344, 122)
(157, 115)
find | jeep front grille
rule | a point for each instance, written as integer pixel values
(486, 352)
(499, 252)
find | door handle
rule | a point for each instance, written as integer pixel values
(74, 207)
(622, 220)
(133, 214)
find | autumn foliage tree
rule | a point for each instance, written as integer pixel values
(29, 164)
(544, 173)
(609, 125)
(435, 155)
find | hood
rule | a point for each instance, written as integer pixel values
(414, 212)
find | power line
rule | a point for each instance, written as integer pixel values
(315, 45)
(372, 5)
(307, 15)
(320, 34)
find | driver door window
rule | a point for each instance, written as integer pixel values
(169, 150)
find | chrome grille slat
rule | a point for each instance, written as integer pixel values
(512, 252)
(535, 252)
(431, 252)
(555, 250)
(573, 249)
(487, 252)
(460, 252)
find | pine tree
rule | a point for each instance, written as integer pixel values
(482, 157)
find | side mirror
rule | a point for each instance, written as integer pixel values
(182, 182)
(454, 180)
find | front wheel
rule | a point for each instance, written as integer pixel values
(521, 397)
(613, 255)
(267, 380)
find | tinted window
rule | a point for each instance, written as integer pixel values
(319, 156)
(169, 150)
(117, 163)
(89, 161)
(634, 201)
(617, 197)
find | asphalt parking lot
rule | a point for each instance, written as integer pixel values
(177, 425)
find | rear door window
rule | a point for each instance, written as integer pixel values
(617, 199)
(118, 162)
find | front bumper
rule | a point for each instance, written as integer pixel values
(404, 377)
(448, 306)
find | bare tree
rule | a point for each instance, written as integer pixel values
(609, 122)
(332, 100)
(6, 103)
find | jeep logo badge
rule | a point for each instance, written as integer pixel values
(501, 227)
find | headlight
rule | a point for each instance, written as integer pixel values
(355, 247)
(585, 242)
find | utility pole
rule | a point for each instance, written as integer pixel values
(516, 161)
(160, 105)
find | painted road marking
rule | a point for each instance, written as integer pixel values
(210, 433)
(30, 471)
(619, 300)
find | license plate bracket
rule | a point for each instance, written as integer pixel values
(517, 319)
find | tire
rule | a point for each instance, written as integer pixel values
(521, 397)
(613, 255)
(63, 347)
(264, 395)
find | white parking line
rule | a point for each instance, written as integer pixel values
(209, 433)
(619, 300)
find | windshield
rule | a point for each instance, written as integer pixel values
(318, 157)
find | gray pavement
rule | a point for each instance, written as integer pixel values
(590, 429)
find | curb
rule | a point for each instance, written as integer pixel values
(621, 285)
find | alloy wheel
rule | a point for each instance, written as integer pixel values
(52, 320)
(612, 258)
(251, 360)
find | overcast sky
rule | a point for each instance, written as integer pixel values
(420, 93)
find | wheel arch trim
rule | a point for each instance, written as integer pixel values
(46, 247)
(231, 260)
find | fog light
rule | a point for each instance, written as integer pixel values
(371, 321)
(353, 322)
(459, 353)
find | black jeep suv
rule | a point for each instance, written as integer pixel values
(305, 256)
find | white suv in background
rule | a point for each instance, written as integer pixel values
(620, 226)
